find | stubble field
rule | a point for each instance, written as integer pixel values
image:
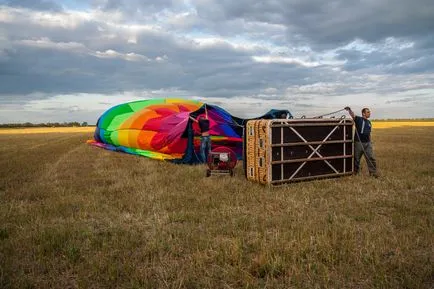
(75, 216)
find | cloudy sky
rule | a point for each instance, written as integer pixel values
(71, 60)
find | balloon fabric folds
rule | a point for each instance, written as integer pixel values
(162, 129)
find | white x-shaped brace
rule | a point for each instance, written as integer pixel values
(314, 150)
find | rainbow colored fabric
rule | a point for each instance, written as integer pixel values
(162, 128)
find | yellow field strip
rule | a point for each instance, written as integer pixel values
(46, 130)
(390, 124)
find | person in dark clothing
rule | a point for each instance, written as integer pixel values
(363, 144)
(205, 139)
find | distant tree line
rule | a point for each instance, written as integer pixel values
(48, 124)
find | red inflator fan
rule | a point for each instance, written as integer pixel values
(221, 160)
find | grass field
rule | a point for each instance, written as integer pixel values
(75, 216)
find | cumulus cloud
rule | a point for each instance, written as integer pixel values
(309, 56)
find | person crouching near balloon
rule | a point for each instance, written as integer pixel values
(205, 139)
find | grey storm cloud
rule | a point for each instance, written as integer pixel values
(43, 5)
(129, 5)
(404, 100)
(421, 97)
(331, 22)
(138, 9)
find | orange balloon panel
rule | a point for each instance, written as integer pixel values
(145, 138)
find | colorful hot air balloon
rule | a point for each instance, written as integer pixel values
(162, 129)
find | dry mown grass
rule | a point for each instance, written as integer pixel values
(75, 216)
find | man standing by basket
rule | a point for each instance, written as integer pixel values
(205, 139)
(363, 144)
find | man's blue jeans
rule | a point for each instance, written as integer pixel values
(205, 147)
